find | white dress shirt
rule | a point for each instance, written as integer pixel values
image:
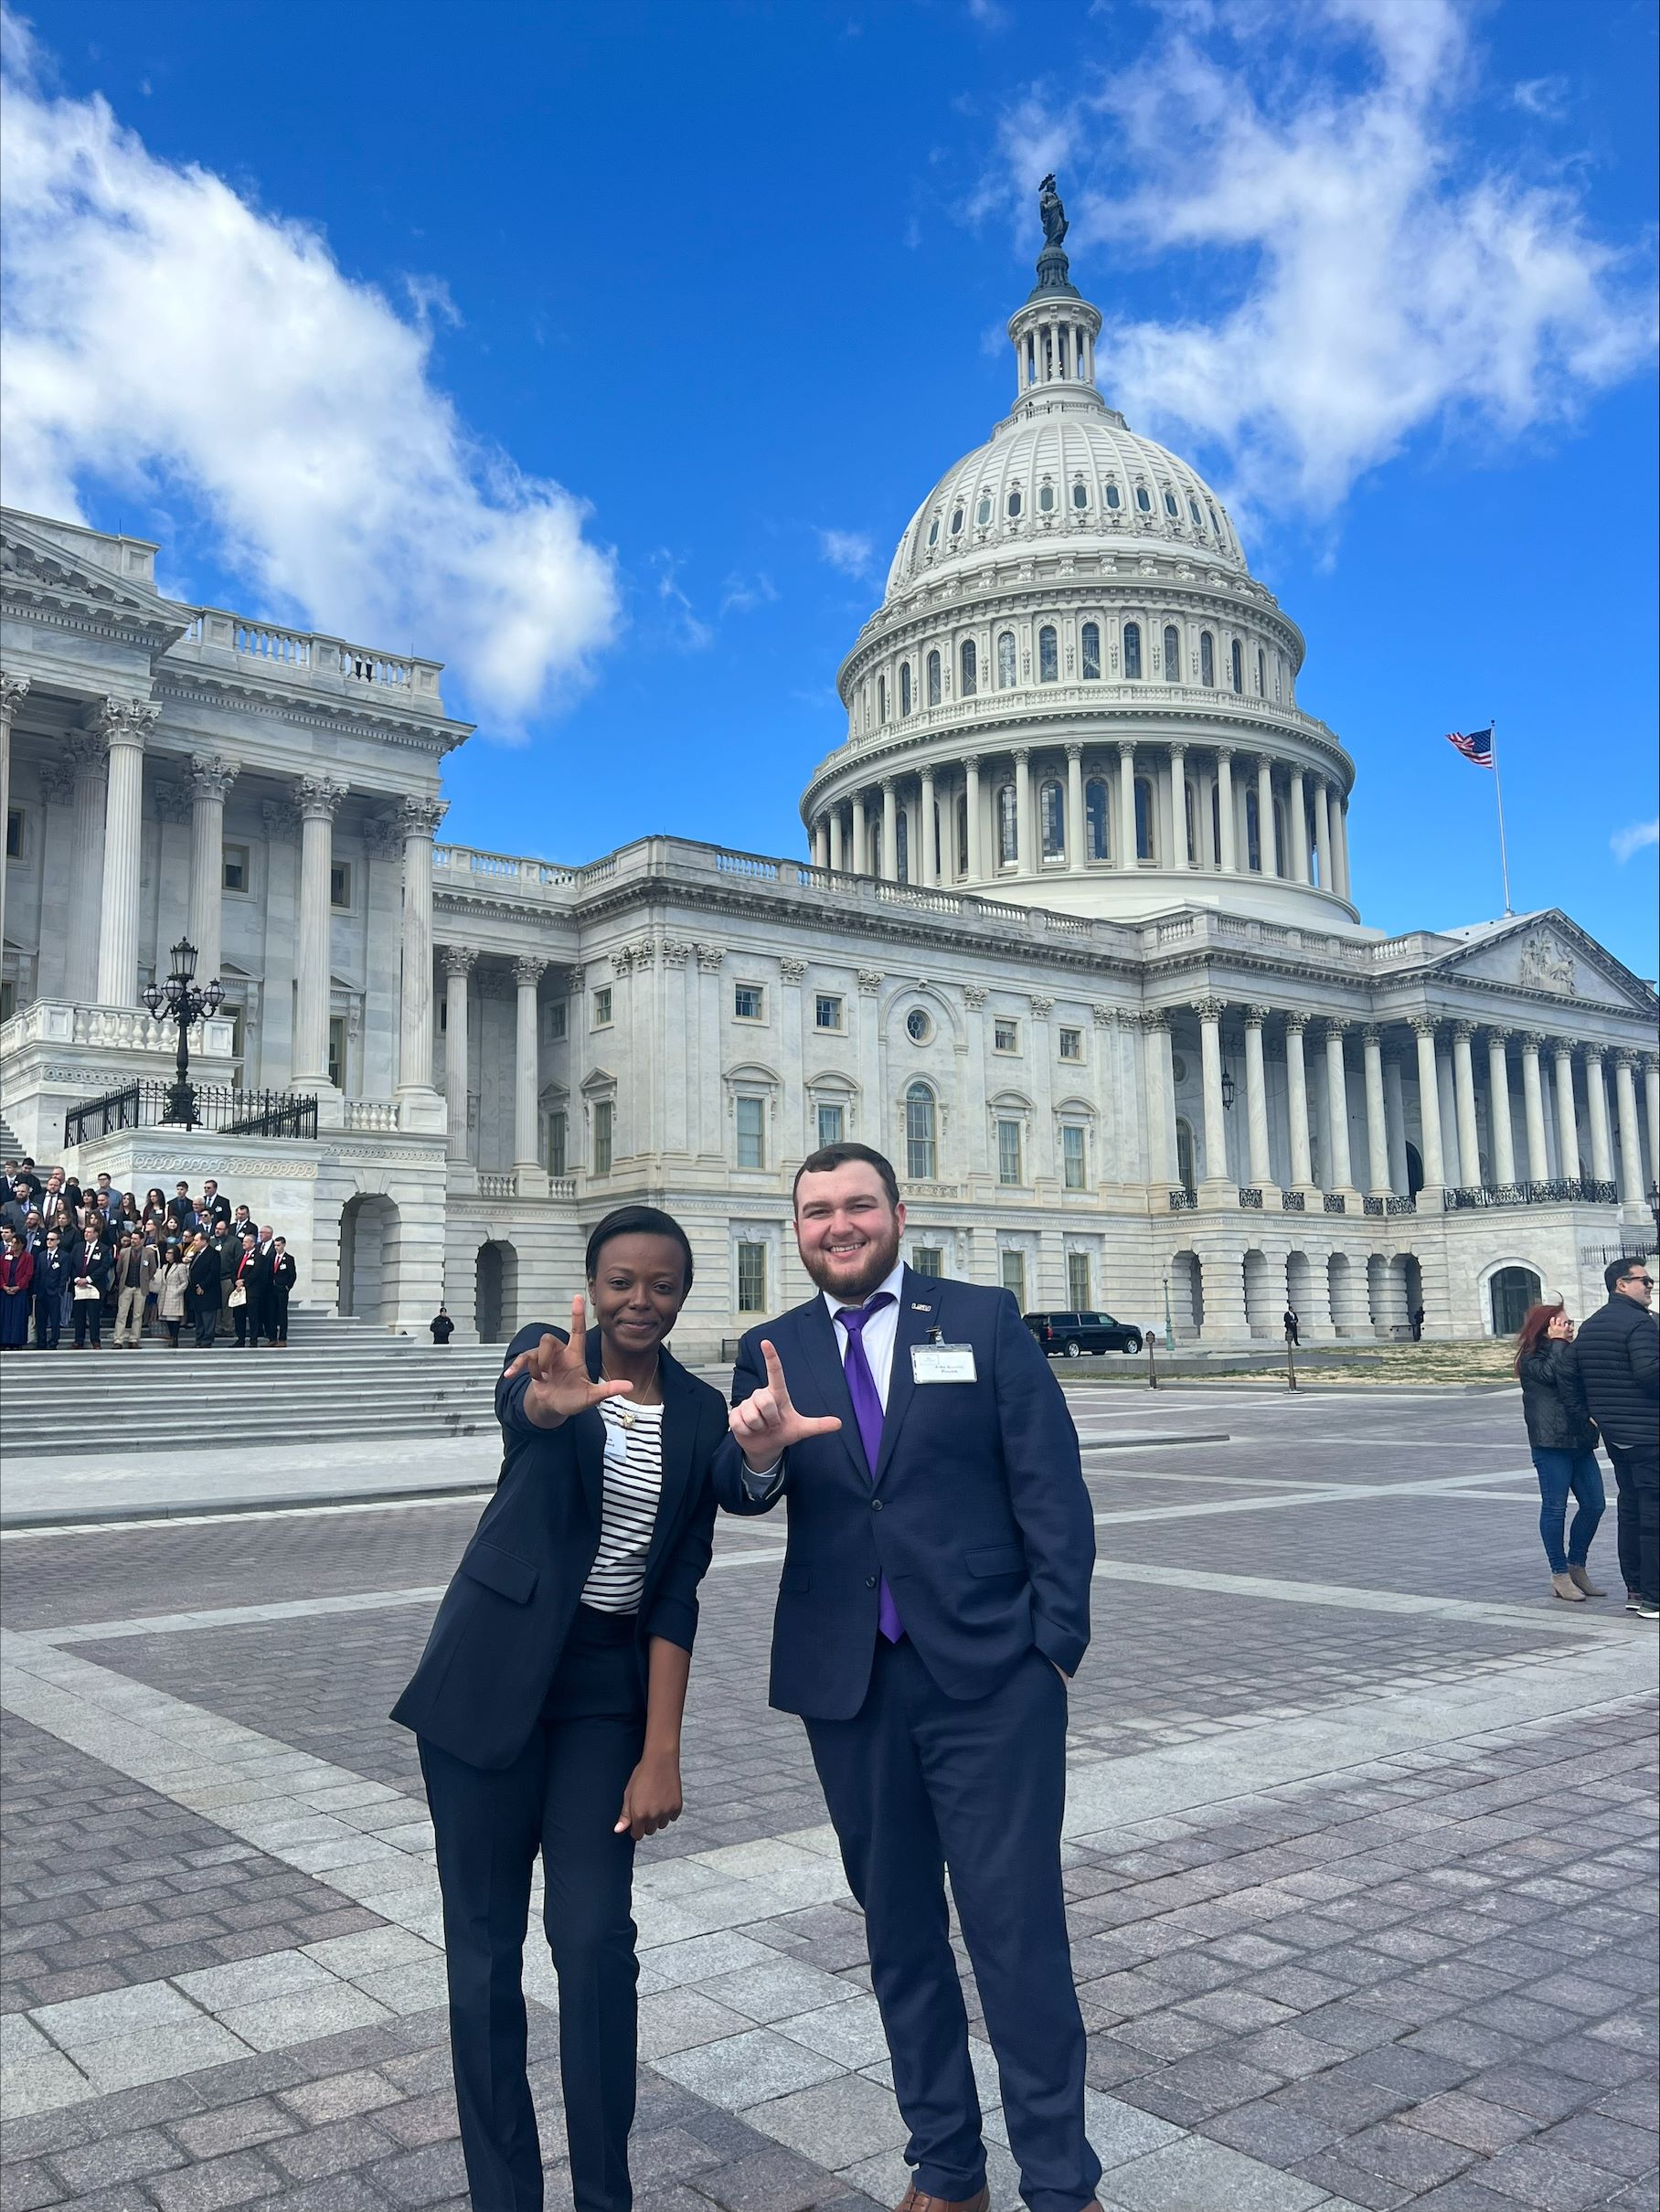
(881, 1333)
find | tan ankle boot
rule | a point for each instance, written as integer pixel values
(1568, 1588)
(1581, 1579)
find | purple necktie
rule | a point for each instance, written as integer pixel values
(867, 1411)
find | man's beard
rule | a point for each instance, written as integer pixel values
(878, 1264)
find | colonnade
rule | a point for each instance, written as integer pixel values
(458, 961)
(1033, 811)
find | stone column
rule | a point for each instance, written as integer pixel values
(1464, 1092)
(1296, 810)
(861, 837)
(838, 857)
(1256, 1100)
(1126, 849)
(528, 1169)
(1533, 1103)
(1630, 1141)
(1210, 1011)
(926, 873)
(1161, 1103)
(1376, 1119)
(1446, 1092)
(1180, 854)
(85, 753)
(1395, 1125)
(1323, 832)
(1568, 1119)
(1342, 1177)
(1074, 809)
(1650, 1091)
(821, 841)
(1268, 846)
(318, 800)
(416, 820)
(1429, 1105)
(1025, 842)
(1340, 845)
(1499, 1107)
(1227, 859)
(12, 688)
(971, 800)
(890, 831)
(1596, 1107)
(210, 777)
(125, 725)
(1296, 1103)
(458, 965)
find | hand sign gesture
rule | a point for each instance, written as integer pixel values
(559, 1375)
(766, 1424)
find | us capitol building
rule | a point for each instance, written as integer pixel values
(1075, 943)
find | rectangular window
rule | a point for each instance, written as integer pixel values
(1006, 1033)
(751, 1132)
(234, 874)
(751, 1278)
(557, 1127)
(1072, 1156)
(13, 833)
(927, 1260)
(832, 1125)
(337, 1050)
(1011, 1266)
(1008, 1151)
(749, 1003)
(340, 885)
(603, 1113)
(557, 1018)
(8, 1000)
(1071, 1044)
(1078, 1279)
(602, 1007)
(827, 1011)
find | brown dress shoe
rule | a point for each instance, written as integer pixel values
(918, 2200)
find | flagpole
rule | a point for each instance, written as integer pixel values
(1498, 793)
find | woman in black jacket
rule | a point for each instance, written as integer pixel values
(1563, 1438)
(548, 1703)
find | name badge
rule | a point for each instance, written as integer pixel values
(942, 1362)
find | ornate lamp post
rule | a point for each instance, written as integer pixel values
(183, 1000)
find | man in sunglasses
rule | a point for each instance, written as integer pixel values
(1619, 1361)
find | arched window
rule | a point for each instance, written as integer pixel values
(1235, 654)
(1206, 657)
(1013, 503)
(1253, 833)
(956, 520)
(1008, 827)
(1080, 495)
(1170, 506)
(1144, 819)
(934, 532)
(1113, 500)
(1089, 639)
(982, 512)
(1049, 655)
(970, 665)
(904, 688)
(1051, 813)
(881, 698)
(963, 832)
(1132, 649)
(1214, 525)
(1144, 499)
(1005, 659)
(1261, 674)
(1192, 509)
(1046, 499)
(1095, 818)
(901, 844)
(933, 679)
(921, 1134)
(1172, 654)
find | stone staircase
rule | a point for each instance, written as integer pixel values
(9, 1147)
(338, 1380)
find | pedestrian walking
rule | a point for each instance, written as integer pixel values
(1618, 1351)
(1562, 1438)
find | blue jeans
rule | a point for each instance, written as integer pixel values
(1560, 1472)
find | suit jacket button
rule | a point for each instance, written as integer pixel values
(876, 1504)
(869, 1581)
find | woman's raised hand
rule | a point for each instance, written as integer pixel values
(766, 1423)
(558, 1385)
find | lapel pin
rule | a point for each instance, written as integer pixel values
(920, 1305)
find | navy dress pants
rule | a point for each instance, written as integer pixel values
(560, 1798)
(918, 1783)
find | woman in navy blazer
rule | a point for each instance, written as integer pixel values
(548, 1700)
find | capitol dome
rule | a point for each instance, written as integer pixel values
(1073, 686)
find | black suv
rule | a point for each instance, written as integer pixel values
(1071, 1335)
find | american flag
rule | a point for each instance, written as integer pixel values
(1475, 745)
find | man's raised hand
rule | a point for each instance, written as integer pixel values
(558, 1385)
(766, 1424)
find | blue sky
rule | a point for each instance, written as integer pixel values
(604, 352)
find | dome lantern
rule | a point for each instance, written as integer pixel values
(1054, 333)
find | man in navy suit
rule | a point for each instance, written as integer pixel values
(934, 1602)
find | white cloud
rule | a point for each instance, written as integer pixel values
(851, 551)
(1633, 837)
(686, 627)
(743, 594)
(163, 334)
(1375, 274)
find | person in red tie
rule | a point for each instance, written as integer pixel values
(244, 1313)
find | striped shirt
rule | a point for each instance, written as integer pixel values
(633, 1482)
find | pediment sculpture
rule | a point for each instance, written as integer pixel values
(1547, 964)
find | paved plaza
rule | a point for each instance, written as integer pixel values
(1360, 1845)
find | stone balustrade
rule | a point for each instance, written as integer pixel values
(217, 636)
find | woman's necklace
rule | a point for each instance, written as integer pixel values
(628, 1413)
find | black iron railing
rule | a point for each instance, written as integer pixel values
(1580, 1191)
(1183, 1201)
(1250, 1200)
(1335, 1203)
(1293, 1201)
(227, 1113)
(1389, 1202)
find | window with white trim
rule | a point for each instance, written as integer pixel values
(1079, 1295)
(750, 1116)
(751, 1269)
(1011, 1270)
(1009, 1162)
(1072, 1155)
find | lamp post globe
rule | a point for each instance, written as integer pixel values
(183, 1001)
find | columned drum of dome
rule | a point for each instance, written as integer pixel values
(1071, 597)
